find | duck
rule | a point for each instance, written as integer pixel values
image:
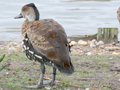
(118, 14)
(45, 41)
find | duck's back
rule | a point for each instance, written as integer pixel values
(47, 41)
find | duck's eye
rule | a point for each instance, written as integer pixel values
(23, 9)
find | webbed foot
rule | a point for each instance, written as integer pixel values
(45, 82)
(50, 82)
(34, 87)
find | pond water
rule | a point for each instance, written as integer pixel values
(78, 17)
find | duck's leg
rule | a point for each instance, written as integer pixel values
(51, 82)
(53, 78)
(40, 83)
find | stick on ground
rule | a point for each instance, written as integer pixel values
(71, 84)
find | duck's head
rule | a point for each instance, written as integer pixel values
(30, 12)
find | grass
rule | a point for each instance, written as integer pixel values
(90, 71)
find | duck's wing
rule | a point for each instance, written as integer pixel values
(49, 39)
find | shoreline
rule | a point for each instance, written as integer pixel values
(82, 47)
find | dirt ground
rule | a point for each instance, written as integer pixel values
(93, 72)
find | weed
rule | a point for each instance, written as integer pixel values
(17, 69)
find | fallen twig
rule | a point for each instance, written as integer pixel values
(71, 84)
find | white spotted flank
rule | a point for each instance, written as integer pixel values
(27, 48)
(38, 56)
(31, 52)
(26, 39)
(24, 47)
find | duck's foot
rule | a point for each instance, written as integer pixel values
(42, 82)
(33, 87)
(45, 82)
(48, 82)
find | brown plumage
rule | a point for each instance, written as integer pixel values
(118, 14)
(49, 38)
(45, 41)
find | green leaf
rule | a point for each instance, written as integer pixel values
(2, 57)
(3, 67)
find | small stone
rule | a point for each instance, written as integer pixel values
(113, 43)
(111, 58)
(81, 51)
(103, 50)
(118, 79)
(89, 42)
(92, 45)
(115, 53)
(7, 73)
(73, 43)
(12, 48)
(109, 48)
(81, 42)
(116, 48)
(87, 89)
(94, 41)
(89, 53)
(101, 47)
(100, 43)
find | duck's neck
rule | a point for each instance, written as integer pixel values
(31, 18)
(34, 16)
(36, 13)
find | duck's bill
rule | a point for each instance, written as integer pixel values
(18, 16)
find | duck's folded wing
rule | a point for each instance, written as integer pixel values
(49, 39)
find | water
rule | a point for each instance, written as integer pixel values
(78, 17)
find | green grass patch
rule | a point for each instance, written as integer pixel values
(26, 72)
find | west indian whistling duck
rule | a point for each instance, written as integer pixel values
(45, 41)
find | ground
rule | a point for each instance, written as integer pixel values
(98, 72)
